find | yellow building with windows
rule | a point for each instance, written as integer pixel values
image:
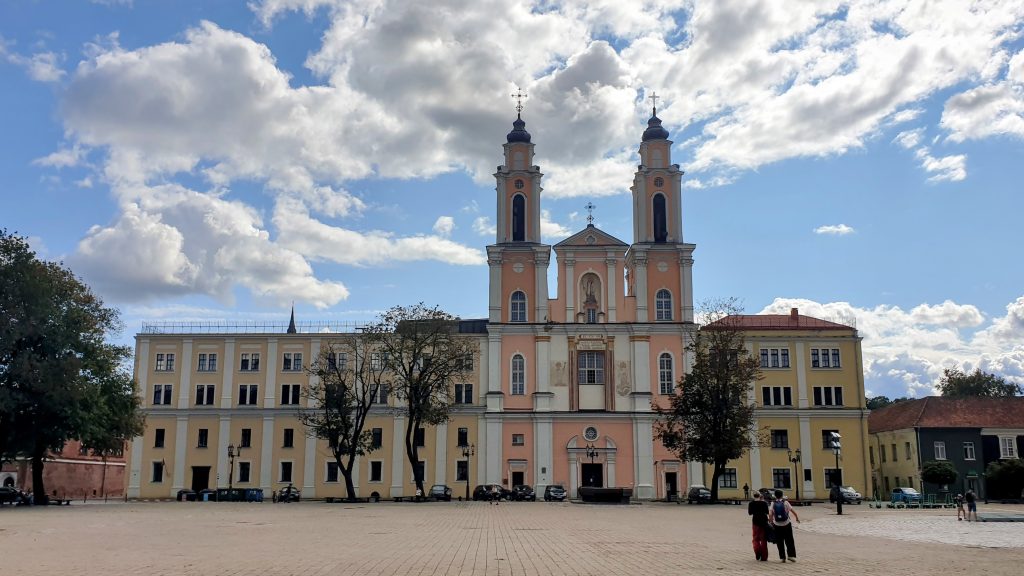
(812, 386)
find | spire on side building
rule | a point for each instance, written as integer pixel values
(291, 322)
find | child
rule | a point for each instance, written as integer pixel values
(959, 506)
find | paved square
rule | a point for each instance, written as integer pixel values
(480, 539)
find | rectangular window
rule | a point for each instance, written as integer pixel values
(775, 358)
(162, 393)
(833, 475)
(246, 438)
(895, 456)
(518, 375)
(204, 438)
(158, 438)
(1007, 449)
(462, 471)
(250, 362)
(910, 481)
(940, 450)
(158, 472)
(969, 451)
(463, 437)
(337, 361)
(906, 448)
(777, 396)
(785, 358)
(164, 363)
(826, 439)
(292, 362)
(419, 437)
(207, 363)
(290, 394)
(591, 368)
(332, 472)
(466, 364)
(815, 358)
(243, 472)
(381, 395)
(764, 357)
(376, 471)
(248, 394)
(463, 393)
(376, 361)
(871, 454)
(201, 365)
(286, 472)
(780, 478)
(828, 395)
(780, 438)
(378, 437)
(519, 440)
(835, 357)
(204, 394)
(728, 479)
(825, 358)
(881, 451)
(289, 438)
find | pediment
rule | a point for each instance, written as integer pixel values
(591, 236)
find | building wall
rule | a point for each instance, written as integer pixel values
(905, 468)
(71, 474)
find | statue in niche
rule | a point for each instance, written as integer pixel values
(558, 375)
(623, 384)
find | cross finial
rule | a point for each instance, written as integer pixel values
(590, 213)
(519, 95)
(654, 101)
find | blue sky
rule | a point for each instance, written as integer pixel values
(220, 160)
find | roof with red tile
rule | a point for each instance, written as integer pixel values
(940, 412)
(776, 322)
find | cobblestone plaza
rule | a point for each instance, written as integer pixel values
(480, 539)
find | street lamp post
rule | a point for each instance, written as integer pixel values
(231, 471)
(837, 450)
(591, 452)
(795, 459)
(467, 452)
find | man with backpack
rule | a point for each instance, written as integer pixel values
(780, 515)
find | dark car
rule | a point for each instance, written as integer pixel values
(768, 494)
(523, 492)
(490, 491)
(289, 494)
(698, 494)
(554, 493)
(186, 495)
(9, 495)
(440, 492)
(849, 495)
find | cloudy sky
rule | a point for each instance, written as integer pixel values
(220, 160)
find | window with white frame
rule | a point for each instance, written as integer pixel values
(377, 437)
(164, 363)
(162, 393)
(248, 394)
(158, 472)
(780, 438)
(290, 394)
(462, 471)
(205, 394)
(292, 362)
(517, 311)
(590, 367)
(250, 362)
(969, 451)
(337, 361)
(1007, 447)
(288, 441)
(376, 471)
(518, 375)
(777, 395)
(285, 471)
(463, 393)
(825, 358)
(463, 437)
(665, 380)
(207, 363)
(203, 440)
(381, 395)
(246, 438)
(519, 439)
(728, 478)
(332, 472)
(663, 305)
(377, 361)
(243, 472)
(828, 395)
(774, 357)
(780, 478)
(940, 450)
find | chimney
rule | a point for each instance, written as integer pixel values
(794, 315)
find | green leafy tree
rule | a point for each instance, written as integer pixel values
(710, 418)
(879, 402)
(1005, 479)
(59, 378)
(423, 353)
(939, 472)
(344, 386)
(956, 384)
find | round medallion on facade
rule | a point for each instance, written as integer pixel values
(517, 267)
(519, 184)
(659, 182)
(591, 239)
(590, 434)
(662, 266)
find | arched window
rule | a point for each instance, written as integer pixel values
(517, 312)
(663, 305)
(660, 222)
(518, 218)
(665, 379)
(518, 378)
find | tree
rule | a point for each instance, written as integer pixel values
(879, 402)
(423, 353)
(709, 418)
(59, 378)
(1005, 479)
(343, 390)
(939, 472)
(956, 384)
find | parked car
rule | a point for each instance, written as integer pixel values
(289, 494)
(554, 492)
(768, 494)
(487, 491)
(440, 492)
(186, 495)
(698, 494)
(849, 495)
(905, 495)
(523, 492)
(9, 495)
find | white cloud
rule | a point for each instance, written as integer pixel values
(85, 182)
(444, 226)
(483, 226)
(910, 138)
(551, 230)
(834, 230)
(63, 158)
(946, 168)
(41, 66)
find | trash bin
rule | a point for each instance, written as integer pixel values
(206, 496)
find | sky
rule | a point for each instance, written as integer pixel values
(220, 161)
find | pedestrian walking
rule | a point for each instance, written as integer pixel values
(972, 505)
(959, 506)
(746, 491)
(758, 510)
(781, 517)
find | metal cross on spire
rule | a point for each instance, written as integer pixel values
(590, 213)
(519, 95)
(654, 101)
